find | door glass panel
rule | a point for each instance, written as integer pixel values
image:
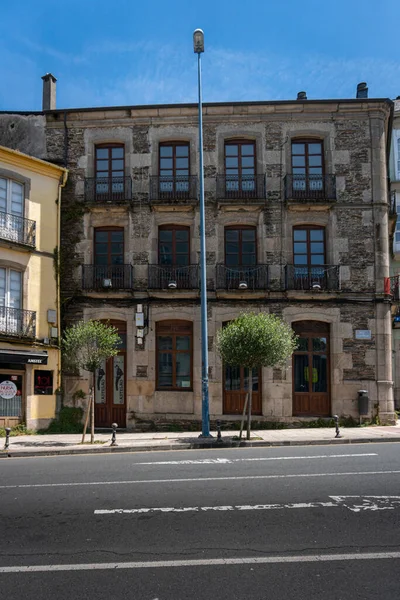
(119, 379)
(298, 148)
(232, 378)
(164, 369)
(15, 289)
(17, 198)
(182, 151)
(183, 370)
(299, 161)
(317, 259)
(182, 342)
(315, 161)
(231, 150)
(165, 235)
(317, 248)
(300, 235)
(2, 287)
(246, 380)
(248, 235)
(301, 374)
(319, 373)
(165, 150)
(101, 152)
(100, 385)
(117, 153)
(314, 148)
(302, 345)
(231, 235)
(300, 248)
(3, 195)
(164, 342)
(317, 235)
(319, 344)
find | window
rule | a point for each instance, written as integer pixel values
(174, 167)
(109, 246)
(174, 355)
(173, 245)
(10, 300)
(110, 171)
(43, 383)
(398, 157)
(240, 166)
(11, 209)
(240, 246)
(309, 257)
(307, 165)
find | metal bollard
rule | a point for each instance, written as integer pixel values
(114, 434)
(337, 430)
(7, 442)
(219, 437)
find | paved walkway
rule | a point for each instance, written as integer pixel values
(36, 445)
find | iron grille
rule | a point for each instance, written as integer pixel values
(103, 277)
(242, 278)
(17, 229)
(162, 277)
(17, 322)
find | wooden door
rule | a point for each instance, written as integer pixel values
(236, 385)
(110, 386)
(311, 370)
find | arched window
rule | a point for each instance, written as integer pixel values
(174, 355)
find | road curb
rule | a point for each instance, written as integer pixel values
(191, 446)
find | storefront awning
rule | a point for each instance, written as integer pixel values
(23, 357)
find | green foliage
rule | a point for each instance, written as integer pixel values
(86, 344)
(256, 340)
(69, 421)
(17, 430)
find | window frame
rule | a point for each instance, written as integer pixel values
(240, 228)
(241, 142)
(109, 147)
(174, 329)
(174, 145)
(173, 228)
(9, 182)
(397, 155)
(108, 230)
(8, 271)
(307, 141)
(308, 228)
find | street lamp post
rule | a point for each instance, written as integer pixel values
(198, 46)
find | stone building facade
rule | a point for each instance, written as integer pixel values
(296, 222)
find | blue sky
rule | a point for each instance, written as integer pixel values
(126, 52)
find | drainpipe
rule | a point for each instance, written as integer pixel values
(63, 181)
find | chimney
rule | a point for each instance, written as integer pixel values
(49, 92)
(302, 96)
(362, 90)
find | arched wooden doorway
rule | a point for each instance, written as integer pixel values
(311, 370)
(110, 385)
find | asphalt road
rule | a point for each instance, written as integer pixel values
(306, 522)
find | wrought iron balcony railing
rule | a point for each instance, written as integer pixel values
(17, 229)
(163, 277)
(173, 189)
(17, 322)
(242, 278)
(310, 187)
(107, 277)
(105, 190)
(240, 187)
(312, 278)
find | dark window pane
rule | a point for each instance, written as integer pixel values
(248, 235)
(165, 235)
(182, 342)
(248, 248)
(300, 235)
(319, 344)
(101, 236)
(319, 373)
(181, 235)
(232, 235)
(232, 260)
(165, 150)
(182, 247)
(231, 150)
(117, 153)
(301, 373)
(101, 259)
(246, 380)
(101, 248)
(248, 259)
(116, 248)
(232, 378)
(181, 259)
(316, 235)
(164, 342)
(182, 151)
(298, 149)
(117, 236)
(101, 152)
(302, 345)
(231, 248)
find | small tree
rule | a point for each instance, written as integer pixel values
(254, 341)
(85, 345)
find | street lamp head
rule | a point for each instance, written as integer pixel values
(198, 41)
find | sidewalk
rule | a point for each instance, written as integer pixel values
(62, 444)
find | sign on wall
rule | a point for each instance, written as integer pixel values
(363, 334)
(100, 384)
(8, 389)
(43, 383)
(119, 379)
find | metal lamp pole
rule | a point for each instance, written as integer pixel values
(198, 46)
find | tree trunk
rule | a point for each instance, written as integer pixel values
(86, 420)
(243, 416)
(92, 410)
(250, 399)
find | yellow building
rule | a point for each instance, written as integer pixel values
(30, 201)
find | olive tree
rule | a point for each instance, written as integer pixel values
(255, 340)
(85, 345)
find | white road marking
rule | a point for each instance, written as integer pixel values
(226, 461)
(194, 479)
(211, 562)
(364, 503)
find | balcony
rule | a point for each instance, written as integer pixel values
(108, 190)
(240, 187)
(310, 188)
(103, 277)
(17, 230)
(171, 190)
(16, 322)
(314, 279)
(242, 278)
(163, 277)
